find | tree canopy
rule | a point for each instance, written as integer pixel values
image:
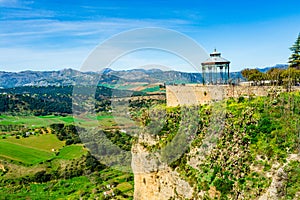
(294, 59)
(253, 75)
(289, 76)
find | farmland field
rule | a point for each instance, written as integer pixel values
(66, 119)
(31, 151)
(71, 152)
(67, 189)
(42, 142)
(152, 89)
(23, 154)
(124, 187)
(33, 121)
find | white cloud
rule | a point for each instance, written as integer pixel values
(8, 3)
(24, 32)
(51, 44)
(14, 3)
(32, 38)
(20, 59)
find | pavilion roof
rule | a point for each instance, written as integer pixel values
(215, 59)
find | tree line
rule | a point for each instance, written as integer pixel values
(277, 76)
(274, 76)
(55, 100)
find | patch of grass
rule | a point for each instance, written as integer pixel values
(33, 121)
(101, 117)
(123, 86)
(68, 119)
(71, 152)
(152, 89)
(42, 142)
(82, 186)
(124, 187)
(72, 188)
(126, 87)
(23, 154)
(107, 121)
(45, 121)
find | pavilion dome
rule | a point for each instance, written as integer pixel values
(215, 59)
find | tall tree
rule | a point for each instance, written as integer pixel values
(253, 75)
(274, 74)
(294, 59)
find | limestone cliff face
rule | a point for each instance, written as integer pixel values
(277, 188)
(155, 180)
(161, 185)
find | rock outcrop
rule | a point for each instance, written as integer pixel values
(155, 180)
(277, 188)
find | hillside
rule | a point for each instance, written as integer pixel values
(48, 100)
(243, 148)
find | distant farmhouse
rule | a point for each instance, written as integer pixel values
(215, 87)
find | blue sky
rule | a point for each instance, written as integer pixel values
(52, 35)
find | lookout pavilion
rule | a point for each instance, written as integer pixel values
(215, 70)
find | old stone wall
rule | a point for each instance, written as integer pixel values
(194, 94)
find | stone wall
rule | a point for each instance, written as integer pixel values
(194, 94)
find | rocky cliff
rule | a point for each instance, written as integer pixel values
(245, 149)
(153, 179)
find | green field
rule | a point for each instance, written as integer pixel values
(38, 148)
(123, 86)
(71, 152)
(66, 119)
(26, 157)
(125, 187)
(41, 142)
(23, 154)
(30, 150)
(45, 121)
(152, 89)
(33, 121)
(106, 121)
(66, 189)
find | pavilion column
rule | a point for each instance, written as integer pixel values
(203, 75)
(221, 75)
(228, 74)
(216, 74)
(210, 75)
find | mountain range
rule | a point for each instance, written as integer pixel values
(107, 76)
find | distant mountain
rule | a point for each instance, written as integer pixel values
(280, 66)
(63, 77)
(107, 76)
(157, 76)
